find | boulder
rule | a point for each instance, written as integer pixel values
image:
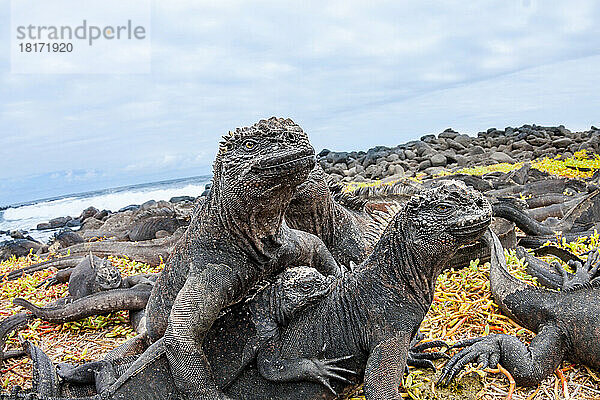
(475, 150)
(132, 207)
(54, 223)
(19, 248)
(448, 134)
(438, 160)
(562, 142)
(87, 213)
(424, 165)
(502, 157)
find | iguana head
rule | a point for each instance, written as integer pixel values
(107, 275)
(431, 227)
(262, 160)
(298, 287)
(445, 217)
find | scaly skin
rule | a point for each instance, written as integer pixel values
(371, 313)
(345, 232)
(95, 287)
(235, 239)
(264, 316)
(566, 324)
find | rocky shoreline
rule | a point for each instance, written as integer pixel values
(451, 150)
(429, 157)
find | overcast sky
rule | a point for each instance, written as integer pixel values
(353, 75)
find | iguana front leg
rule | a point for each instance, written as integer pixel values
(385, 367)
(528, 365)
(131, 281)
(61, 276)
(303, 248)
(273, 367)
(196, 307)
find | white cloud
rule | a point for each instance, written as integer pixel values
(341, 68)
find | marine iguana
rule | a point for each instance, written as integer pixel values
(90, 276)
(566, 324)
(235, 239)
(269, 310)
(348, 232)
(375, 311)
(94, 274)
(371, 313)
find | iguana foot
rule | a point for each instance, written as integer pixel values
(65, 371)
(485, 351)
(82, 374)
(584, 274)
(417, 357)
(48, 282)
(324, 369)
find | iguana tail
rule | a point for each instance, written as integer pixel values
(9, 325)
(59, 263)
(522, 302)
(94, 304)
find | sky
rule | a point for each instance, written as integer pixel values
(353, 74)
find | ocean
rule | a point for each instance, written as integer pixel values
(26, 216)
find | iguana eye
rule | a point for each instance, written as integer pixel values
(249, 144)
(443, 208)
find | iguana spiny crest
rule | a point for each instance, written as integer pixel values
(438, 219)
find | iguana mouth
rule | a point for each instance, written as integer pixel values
(286, 164)
(471, 227)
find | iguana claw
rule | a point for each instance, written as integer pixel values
(483, 350)
(420, 359)
(326, 369)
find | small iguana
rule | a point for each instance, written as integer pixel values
(90, 282)
(269, 310)
(94, 274)
(566, 324)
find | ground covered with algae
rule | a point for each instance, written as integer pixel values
(462, 308)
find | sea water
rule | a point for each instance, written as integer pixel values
(26, 216)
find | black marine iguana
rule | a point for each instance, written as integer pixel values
(348, 232)
(269, 310)
(371, 313)
(94, 274)
(235, 239)
(566, 324)
(95, 287)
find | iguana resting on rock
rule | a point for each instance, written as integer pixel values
(566, 324)
(235, 239)
(371, 313)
